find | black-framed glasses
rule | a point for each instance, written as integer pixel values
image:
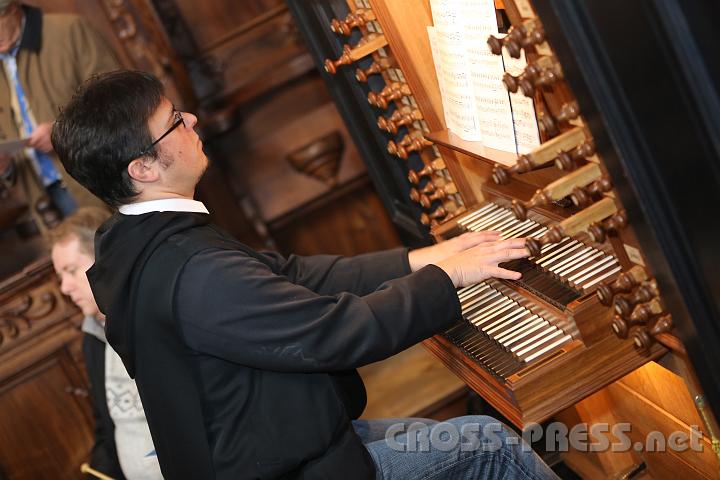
(178, 121)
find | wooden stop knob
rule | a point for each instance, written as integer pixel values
(553, 235)
(598, 231)
(624, 304)
(624, 283)
(378, 66)
(519, 210)
(439, 212)
(344, 59)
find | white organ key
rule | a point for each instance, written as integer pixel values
(480, 299)
(554, 249)
(556, 254)
(476, 213)
(467, 291)
(524, 226)
(568, 254)
(521, 326)
(507, 224)
(592, 270)
(571, 259)
(483, 223)
(536, 233)
(478, 314)
(496, 311)
(489, 216)
(523, 231)
(567, 270)
(513, 323)
(609, 273)
(547, 249)
(491, 225)
(530, 343)
(509, 343)
(547, 348)
(500, 321)
(536, 323)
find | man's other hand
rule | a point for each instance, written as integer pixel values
(480, 262)
(436, 253)
(39, 139)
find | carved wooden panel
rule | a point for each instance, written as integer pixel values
(46, 424)
(31, 312)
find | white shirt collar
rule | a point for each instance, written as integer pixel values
(164, 205)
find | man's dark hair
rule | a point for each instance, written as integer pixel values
(103, 128)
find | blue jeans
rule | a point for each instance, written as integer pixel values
(470, 447)
(62, 198)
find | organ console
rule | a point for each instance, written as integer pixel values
(598, 298)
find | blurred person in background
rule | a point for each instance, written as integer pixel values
(45, 57)
(123, 446)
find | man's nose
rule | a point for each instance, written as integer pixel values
(66, 286)
(190, 119)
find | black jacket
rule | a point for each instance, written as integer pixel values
(104, 454)
(244, 360)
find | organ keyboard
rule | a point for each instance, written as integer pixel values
(592, 304)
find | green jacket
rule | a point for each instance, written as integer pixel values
(57, 53)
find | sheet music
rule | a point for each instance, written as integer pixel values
(461, 112)
(476, 105)
(486, 71)
(527, 135)
(435, 50)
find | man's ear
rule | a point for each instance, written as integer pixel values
(143, 170)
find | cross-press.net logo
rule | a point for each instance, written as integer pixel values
(596, 437)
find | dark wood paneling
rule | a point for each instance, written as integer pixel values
(46, 430)
(46, 423)
(354, 223)
(273, 129)
(212, 22)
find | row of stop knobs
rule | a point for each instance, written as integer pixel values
(431, 188)
(639, 313)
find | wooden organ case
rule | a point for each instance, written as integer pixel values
(619, 273)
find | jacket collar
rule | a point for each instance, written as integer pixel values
(32, 33)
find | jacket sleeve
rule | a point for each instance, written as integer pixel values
(104, 455)
(332, 274)
(92, 53)
(233, 306)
